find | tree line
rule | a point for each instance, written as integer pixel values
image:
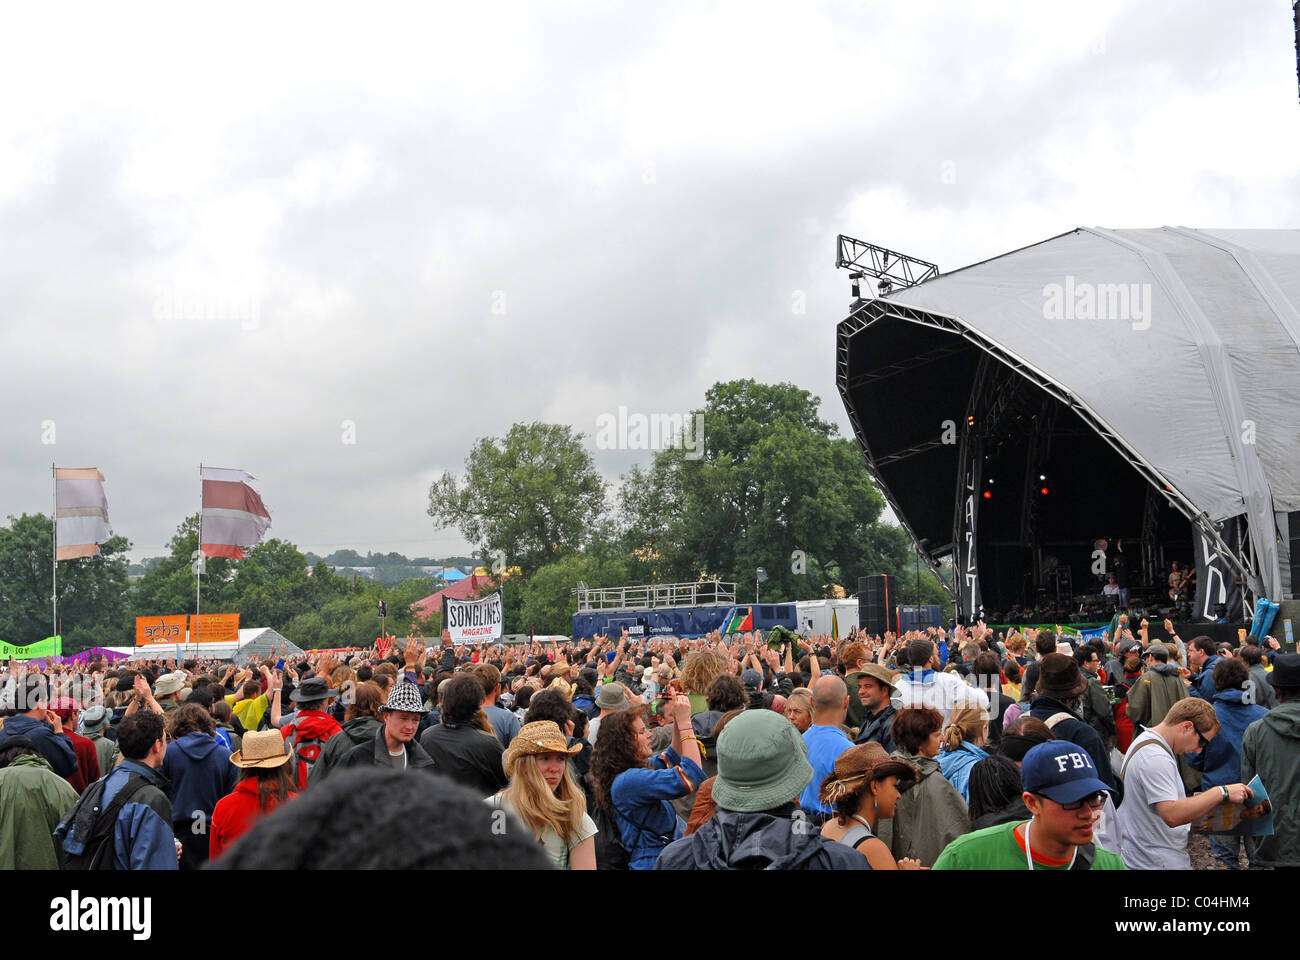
(273, 586)
(770, 484)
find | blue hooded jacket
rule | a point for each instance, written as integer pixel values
(956, 766)
(200, 772)
(1220, 763)
(1202, 685)
(57, 750)
(142, 836)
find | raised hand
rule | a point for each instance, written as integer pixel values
(411, 652)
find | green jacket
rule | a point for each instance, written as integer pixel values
(1271, 749)
(356, 731)
(929, 816)
(33, 799)
(106, 749)
(1096, 712)
(1153, 693)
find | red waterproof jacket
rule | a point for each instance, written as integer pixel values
(87, 771)
(306, 737)
(233, 815)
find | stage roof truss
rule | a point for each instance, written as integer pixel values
(873, 310)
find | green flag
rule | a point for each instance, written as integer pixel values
(49, 647)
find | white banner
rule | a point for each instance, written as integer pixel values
(473, 621)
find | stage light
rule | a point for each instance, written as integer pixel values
(857, 291)
(1043, 491)
(884, 286)
(988, 494)
(1042, 476)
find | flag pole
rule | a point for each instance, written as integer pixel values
(198, 560)
(54, 555)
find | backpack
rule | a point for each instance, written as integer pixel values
(97, 851)
(306, 751)
(610, 852)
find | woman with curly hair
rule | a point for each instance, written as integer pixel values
(634, 789)
(544, 797)
(199, 774)
(345, 679)
(699, 670)
(863, 789)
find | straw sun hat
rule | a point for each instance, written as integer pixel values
(263, 748)
(540, 736)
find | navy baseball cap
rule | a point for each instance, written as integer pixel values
(1061, 771)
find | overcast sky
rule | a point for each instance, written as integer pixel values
(223, 236)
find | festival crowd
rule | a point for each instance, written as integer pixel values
(943, 750)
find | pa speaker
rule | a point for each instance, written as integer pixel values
(876, 604)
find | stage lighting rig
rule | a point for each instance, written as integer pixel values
(892, 270)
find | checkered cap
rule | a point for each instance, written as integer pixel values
(405, 696)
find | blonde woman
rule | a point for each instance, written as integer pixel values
(963, 742)
(543, 797)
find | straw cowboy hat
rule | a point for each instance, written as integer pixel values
(540, 736)
(263, 748)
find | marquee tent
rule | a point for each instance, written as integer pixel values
(253, 642)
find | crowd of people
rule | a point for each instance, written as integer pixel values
(961, 749)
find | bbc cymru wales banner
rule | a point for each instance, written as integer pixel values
(473, 621)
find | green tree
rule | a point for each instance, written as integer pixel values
(270, 585)
(545, 602)
(168, 586)
(528, 497)
(776, 488)
(92, 591)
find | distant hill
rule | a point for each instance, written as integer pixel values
(388, 569)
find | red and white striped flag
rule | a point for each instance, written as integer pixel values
(234, 516)
(80, 512)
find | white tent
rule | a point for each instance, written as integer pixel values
(253, 642)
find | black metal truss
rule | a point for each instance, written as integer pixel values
(871, 311)
(898, 269)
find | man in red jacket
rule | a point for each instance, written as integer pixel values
(1122, 673)
(87, 771)
(312, 726)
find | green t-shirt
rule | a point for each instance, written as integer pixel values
(997, 848)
